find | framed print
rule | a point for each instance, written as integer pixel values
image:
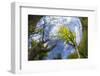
(51, 38)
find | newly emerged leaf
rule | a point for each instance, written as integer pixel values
(68, 36)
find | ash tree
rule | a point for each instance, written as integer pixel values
(68, 37)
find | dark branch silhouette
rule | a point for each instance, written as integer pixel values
(38, 49)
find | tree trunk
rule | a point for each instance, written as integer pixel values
(77, 51)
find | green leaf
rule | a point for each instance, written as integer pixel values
(67, 35)
(33, 43)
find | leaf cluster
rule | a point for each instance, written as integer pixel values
(67, 35)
